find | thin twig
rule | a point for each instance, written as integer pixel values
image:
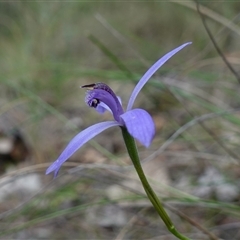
(182, 129)
(192, 222)
(120, 37)
(187, 87)
(128, 225)
(177, 212)
(202, 155)
(216, 45)
(211, 14)
(211, 133)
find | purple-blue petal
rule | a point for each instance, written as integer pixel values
(150, 72)
(140, 125)
(105, 97)
(102, 107)
(78, 141)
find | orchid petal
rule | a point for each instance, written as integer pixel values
(96, 96)
(140, 125)
(77, 142)
(120, 100)
(102, 107)
(150, 72)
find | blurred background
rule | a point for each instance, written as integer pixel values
(49, 49)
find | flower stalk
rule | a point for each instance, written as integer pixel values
(133, 153)
(135, 124)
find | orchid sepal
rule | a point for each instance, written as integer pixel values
(144, 79)
(78, 141)
(140, 125)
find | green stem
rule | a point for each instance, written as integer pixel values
(133, 153)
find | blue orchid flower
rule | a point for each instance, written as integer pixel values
(137, 121)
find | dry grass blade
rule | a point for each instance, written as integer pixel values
(194, 223)
(216, 45)
(211, 14)
(195, 121)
